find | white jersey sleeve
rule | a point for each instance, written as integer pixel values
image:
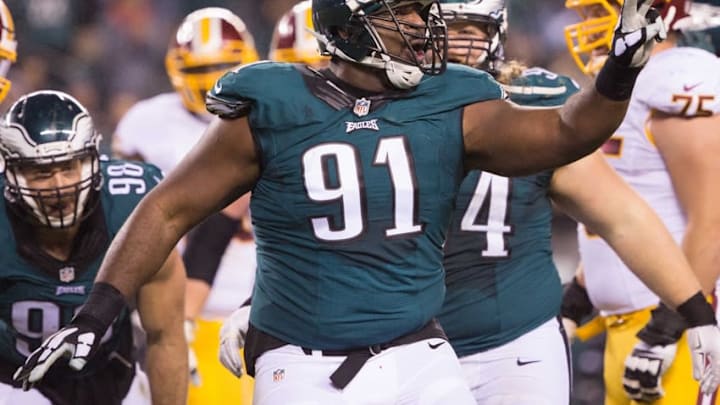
(160, 130)
(681, 81)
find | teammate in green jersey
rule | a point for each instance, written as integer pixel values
(62, 206)
(503, 290)
(354, 171)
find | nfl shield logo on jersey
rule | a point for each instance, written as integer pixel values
(278, 375)
(362, 107)
(67, 274)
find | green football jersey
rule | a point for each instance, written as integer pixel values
(501, 279)
(40, 294)
(353, 202)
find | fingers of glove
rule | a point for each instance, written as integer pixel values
(710, 382)
(47, 358)
(82, 350)
(643, 8)
(630, 10)
(230, 355)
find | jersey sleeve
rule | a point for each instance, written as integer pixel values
(537, 87)
(125, 184)
(681, 81)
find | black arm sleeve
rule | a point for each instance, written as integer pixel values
(206, 244)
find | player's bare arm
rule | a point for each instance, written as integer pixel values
(614, 211)
(225, 154)
(690, 148)
(512, 141)
(159, 303)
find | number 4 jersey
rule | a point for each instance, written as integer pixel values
(38, 293)
(501, 279)
(354, 199)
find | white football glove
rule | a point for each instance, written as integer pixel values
(192, 358)
(638, 28)
(78, 343)
(644, 368)
(232, 339)
(705, 348)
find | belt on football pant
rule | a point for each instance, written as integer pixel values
(354, 358)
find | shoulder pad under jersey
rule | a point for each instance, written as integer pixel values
(681, 81)
(236, 91)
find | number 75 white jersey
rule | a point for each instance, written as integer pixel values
(679, 81)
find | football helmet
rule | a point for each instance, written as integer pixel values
(209, 42)
(702, 29)
(590, 40)
(8, 47)
(492, 16)
(41, 131)
(293, 41)
(348, 29)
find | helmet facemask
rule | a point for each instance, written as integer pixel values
(60, 206)
(360, 40)
(49, 157)
(590, 40)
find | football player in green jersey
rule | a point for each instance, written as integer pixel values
(354, 171)
(503, 290)
(62, 206)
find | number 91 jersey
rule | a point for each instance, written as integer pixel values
(39, 295)
(354, 198)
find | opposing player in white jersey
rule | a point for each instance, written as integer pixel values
(666, 148)
(162, 130)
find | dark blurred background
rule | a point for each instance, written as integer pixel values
(110, 54)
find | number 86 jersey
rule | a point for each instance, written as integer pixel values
(40, 294)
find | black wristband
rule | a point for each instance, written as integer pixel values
(103, 305)
(576, 303)
(615, 81)
(665, 327)
(697, 311)
(206, 244)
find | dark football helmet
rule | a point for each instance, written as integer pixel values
(492, 15)
(348, 29)
(45, 133)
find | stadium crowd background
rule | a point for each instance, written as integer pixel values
(110, 54)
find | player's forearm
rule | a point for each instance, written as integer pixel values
(645, 245)
(139, 250)
(702, 249)
(167, 369)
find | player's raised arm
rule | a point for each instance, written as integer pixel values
(510, 140)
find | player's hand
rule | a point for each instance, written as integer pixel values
(705, 349)
(638, 28)
(644, 369)
(192, 358)
(232, 339)
(76, 342)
